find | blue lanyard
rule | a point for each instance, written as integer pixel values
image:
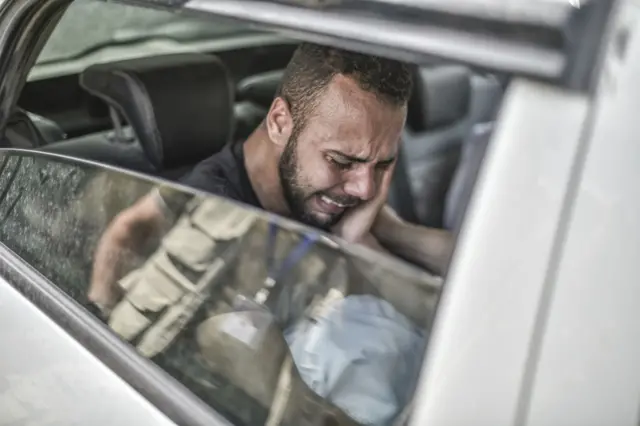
(275, 272)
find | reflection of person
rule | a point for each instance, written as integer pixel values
(324, 155)
(127, 236)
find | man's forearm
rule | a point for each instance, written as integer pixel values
(107, 269)
(372, 242)
(120, 247)
(427, 247)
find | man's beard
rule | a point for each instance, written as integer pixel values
(297, 194)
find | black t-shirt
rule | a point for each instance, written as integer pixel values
(224, 174)
(221, 174)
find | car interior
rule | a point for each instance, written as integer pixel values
(161, 115)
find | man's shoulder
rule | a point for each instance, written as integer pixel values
(213, 174)
(218, 163)
(220, 174)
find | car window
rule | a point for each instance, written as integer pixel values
(338, 333)
(92, 31)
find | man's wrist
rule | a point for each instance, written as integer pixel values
(369, 240)
(386, 226)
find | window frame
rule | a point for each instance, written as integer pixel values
(109, 50)
(80, 319)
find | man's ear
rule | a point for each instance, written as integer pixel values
(279, 122)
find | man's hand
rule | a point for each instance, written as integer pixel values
(427, 247)
(386, 218)
(355, 226)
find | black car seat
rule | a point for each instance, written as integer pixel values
(464, 179)
(254, 96)
(179, 107)
(26, 130)
(447, 102)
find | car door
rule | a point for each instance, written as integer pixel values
(479, 358)
(48, 378)
(178, 338)
(59, 364)
(584, 364)
(540, 328)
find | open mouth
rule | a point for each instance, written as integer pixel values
(330, 205)
(334, 202)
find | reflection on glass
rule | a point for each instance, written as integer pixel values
(268, 322)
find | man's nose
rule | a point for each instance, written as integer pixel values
(361, 183)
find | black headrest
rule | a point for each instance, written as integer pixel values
(180, 106)
(260, 88)
(441, 97)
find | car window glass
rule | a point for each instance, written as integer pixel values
(340, 334)
(97, 31)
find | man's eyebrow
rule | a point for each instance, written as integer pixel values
(355, 159)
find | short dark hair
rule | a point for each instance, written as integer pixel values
(313, 66)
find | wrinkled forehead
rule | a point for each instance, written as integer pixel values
(355, 121)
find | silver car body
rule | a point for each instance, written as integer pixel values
(538, 323)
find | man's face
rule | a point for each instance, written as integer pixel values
(337, 161)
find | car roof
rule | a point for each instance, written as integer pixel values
(553, 40)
